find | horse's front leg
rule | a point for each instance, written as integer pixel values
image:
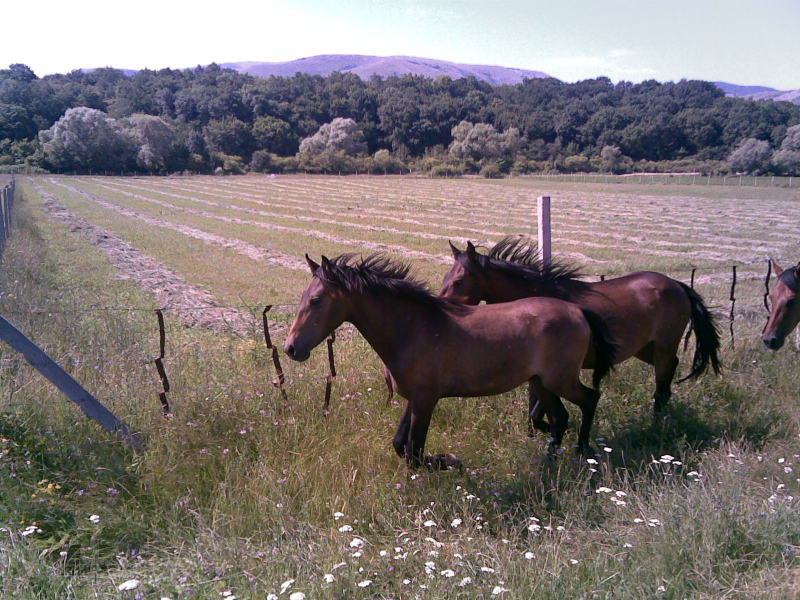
(421, 412)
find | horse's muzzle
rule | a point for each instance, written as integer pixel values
(295, 353)
(773, 342)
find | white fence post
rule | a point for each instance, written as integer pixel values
(543, 213)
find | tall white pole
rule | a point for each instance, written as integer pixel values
(544, 229)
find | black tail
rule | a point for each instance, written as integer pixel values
(605, 348)
(706, 335)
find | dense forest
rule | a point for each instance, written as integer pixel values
(214, 119)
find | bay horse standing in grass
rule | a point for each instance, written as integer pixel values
(646, 312)
(785, 307)
(435, 348)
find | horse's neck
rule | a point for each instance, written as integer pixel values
(388, 322)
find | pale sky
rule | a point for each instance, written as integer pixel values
(752, 42)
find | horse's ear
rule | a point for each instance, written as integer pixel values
(456, 252)
(473, 256)
(327, 267)
(312, 265)
(776, 268)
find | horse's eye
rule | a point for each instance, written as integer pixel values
(315, 300)
(458, 282)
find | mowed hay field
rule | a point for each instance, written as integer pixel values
(241, 493)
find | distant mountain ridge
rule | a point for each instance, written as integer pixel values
(365, 66)
(758, 92)
(385, 66)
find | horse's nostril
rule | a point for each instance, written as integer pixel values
(290, 350)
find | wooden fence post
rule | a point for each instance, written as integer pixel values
(545, 240)
(68, 385)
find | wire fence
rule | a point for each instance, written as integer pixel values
(269, 353)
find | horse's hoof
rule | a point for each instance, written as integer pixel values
(554, 449)
(443, 462)
(586, 451)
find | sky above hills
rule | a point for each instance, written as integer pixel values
(752, 42)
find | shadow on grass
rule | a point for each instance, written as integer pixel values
(688, 427)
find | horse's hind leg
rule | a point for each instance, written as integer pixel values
(549, 403)
(586, 399)
(535, 413)
(400, 439)
(665, 363)
(387, 377)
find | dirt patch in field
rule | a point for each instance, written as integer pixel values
(194, 307)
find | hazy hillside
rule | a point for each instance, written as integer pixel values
(758, 92)
(384, 66)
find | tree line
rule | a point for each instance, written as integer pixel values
(214, 119)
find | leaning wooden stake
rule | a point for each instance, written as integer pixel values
(278, 383)
(331, 373)
(689, 330)
(73, 390)
(159, 362)
(733, 306)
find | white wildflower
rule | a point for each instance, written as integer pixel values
(356, 543)
(95, 518)
(328, 578)
(455, 522)
(465, 582)
(497, 590)
(286, 585)
(530, 555)
(429, 523)
(131, 584)
(448, 573)
(338, 515)
(365, 583)
(345, 528)
(297, 596)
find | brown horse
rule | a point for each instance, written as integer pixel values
(785, 312)
(435, 348)
(646, 312)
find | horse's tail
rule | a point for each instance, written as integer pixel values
(605, 348)
(706, 335)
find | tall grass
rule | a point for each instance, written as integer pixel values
(240, 492)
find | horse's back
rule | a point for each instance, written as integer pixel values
(640, 308)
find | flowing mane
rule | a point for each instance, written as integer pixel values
(378, 273)
(519, 257)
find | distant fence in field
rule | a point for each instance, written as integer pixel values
(6, 208)
(673, 179)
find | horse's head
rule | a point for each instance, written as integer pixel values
(464, 281)
(322, 309)
(785, 307)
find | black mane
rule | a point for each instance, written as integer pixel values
(519, 257)
(378, 273)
